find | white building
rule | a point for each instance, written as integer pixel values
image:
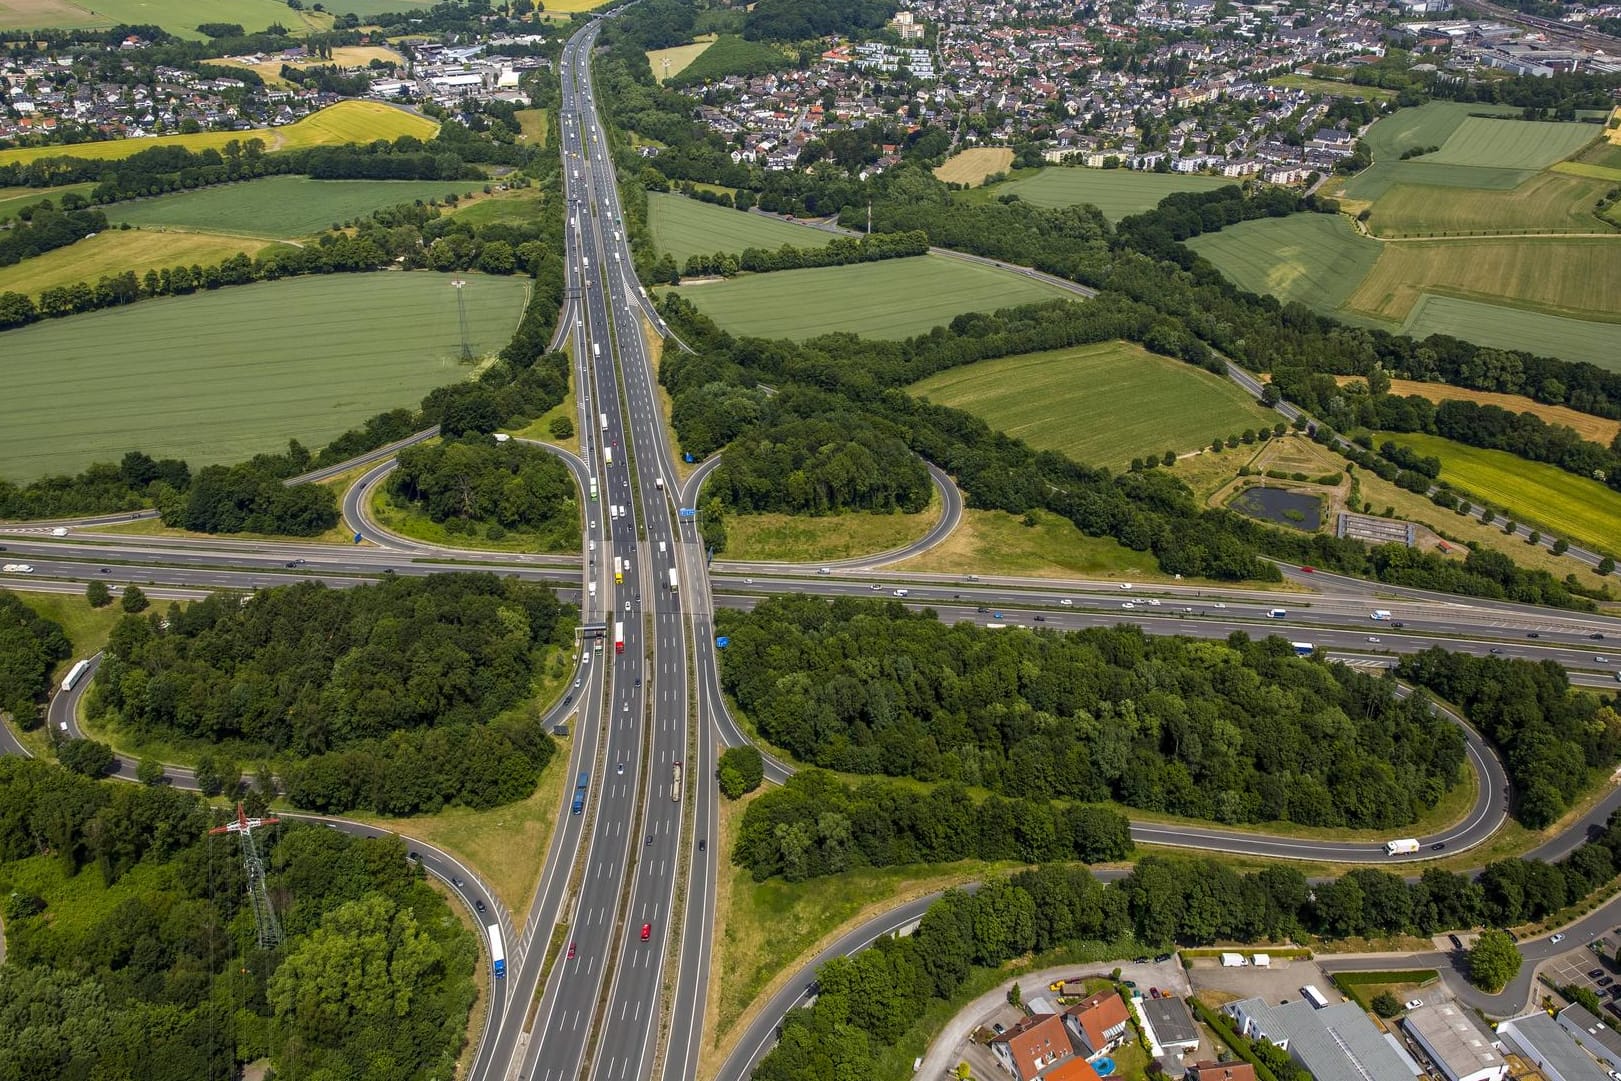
(1458, 1046)
(1600, 1040)
(1540, 1040)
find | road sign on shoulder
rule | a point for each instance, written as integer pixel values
(722, 642)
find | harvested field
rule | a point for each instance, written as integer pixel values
(972, 166)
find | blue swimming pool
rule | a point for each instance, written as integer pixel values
(1104, 1066)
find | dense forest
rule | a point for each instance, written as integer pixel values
(821, 465)
(1551, 738)
(867, 1002)
(473, 480)
(29, 648)
(814, 826)
(1241, 731)
(130, 944)
(802, 20)
(305, 669)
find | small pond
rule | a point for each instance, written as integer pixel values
(1280, 507)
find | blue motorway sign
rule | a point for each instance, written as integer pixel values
(687, 513)
(722, 642)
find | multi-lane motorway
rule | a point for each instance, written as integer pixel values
(586, 995)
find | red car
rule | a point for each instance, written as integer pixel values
(1309, 570)
(571, 950)
(647, 931)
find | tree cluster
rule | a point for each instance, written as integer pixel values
(46, 228)
(305, 669)
(476, 480)
(815, 826)
(30, 646)
(822, 465)
(1241, 731)
(158, 983)
(802, 20)
(246, 499)
(840, 251)
(1551, 736)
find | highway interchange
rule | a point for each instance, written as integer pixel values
(612, 1005)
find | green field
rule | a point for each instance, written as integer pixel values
(1513, 328)
(893, 299)
(219, 376)
(1584, 510)
(1430, 124)
(1382, 176)
(15, 200)
(345, 122)
(1331, 88)
(1102, 404)
(1547, 203)
(1316, 259)
(1576, 277)
(1116, 192)
(180, 17)
(684, 227)
(730, 55)
(280, 206)
(118, 250)
(1511, 144)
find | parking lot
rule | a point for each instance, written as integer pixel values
(1578, 967)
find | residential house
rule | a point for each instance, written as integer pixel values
(1030, 1048)
(1099, 1022)
(1220, 1071)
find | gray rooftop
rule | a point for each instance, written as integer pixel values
(1554, 1045)
(1596, 1031)
(1170, 1020)
(1454, 1038)
(1335, 1043)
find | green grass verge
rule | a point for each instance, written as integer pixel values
(1116, 192)
(281, 206)
(407, 521)
(1532, 492)
(1535, 332)
(685, 227)
(1316, 259)
(1102, 404)
(893, 299)
(797, 538)
(258, 364)
(993, 542)
(86, 627)
(1362, 987)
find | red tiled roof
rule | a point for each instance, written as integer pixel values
(1097, 1015)
(1036, 1042)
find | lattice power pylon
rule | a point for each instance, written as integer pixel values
(461, 312)
(264, 917)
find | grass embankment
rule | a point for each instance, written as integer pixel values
(1116, 192)
(993, 542)
(797, 538)
(400, 517)
(117, 250)
(280, 206)
(259, 364)
(1101, 404)
(685, 227)
(972, 166)
(893, 299)
(345, 122)
(1363, 987)
(1586, 511)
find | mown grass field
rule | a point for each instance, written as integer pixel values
(1584, 510)
(973, 165)
(1515, 328)
(1548, 202)
(1579, 277)
(217, 377)
(1316, 259)
(996, 542)
(532, 126)
(345, 122)
(685, 227)
(1116, 192)
(280, 206)
(1510, 143)
(180, 17)
(1102, 404)
(893, 299)
(1330, 88)
(519, 206)
(118, 250)
(798, 538)
(668, 63)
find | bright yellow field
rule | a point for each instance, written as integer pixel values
(139, 250)
(345, 122)
(679, 57)
(1577, 277)
(1596, 429)
(972, 166)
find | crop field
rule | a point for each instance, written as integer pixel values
(1582, 168)
(677, 57)
(1102, 404)
(1548, 202)
(177, 16)
(116, 251)
(345, 122)
(1316, 259)
(1381, 176)
(973, 165)
(1532, 492)
(1510, 144)
(1579, 277)
(896, 298)
(1116, 192)
(217, 377)
(1514, 328)
(280, 206)
(1430, 124)
(685, 227)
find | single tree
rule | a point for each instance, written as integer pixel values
(149, 772)
(1493, 961)
(1386, 1004)
(134, 600)
(85, 756)
(98, 594)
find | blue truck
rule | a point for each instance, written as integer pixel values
(580, 786)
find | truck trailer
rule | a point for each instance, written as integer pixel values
(1401, 847)
(498, 954)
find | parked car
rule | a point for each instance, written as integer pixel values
(1414, 1003)
(1594, 973)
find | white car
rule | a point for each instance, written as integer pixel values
(1125, 585)
(1602, 660)
(1414, 1003)
(1373, 638)
(1560, 937)
(17, 568)
(1127, 604)
(1067, 603)
(1218, 604)
(1154, 602)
